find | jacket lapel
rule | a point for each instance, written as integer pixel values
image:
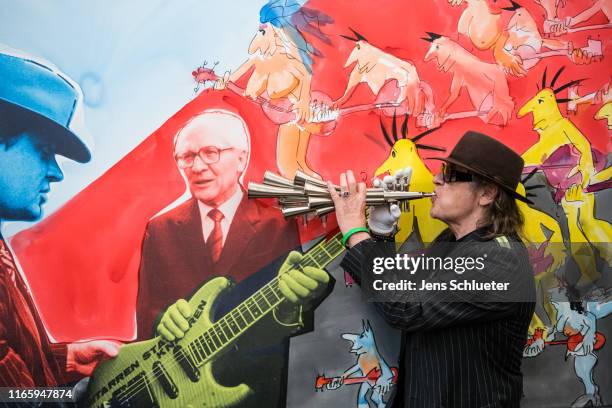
(241, 232)
(190, 238)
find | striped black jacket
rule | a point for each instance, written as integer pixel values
(466, 350)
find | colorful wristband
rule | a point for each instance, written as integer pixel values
(351, 232)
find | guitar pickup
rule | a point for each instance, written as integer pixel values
(186, 363)
(165, 380)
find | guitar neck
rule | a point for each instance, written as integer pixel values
(246, 314)
(592, 27)
(355, 380)
(260, 100)
(323, 116)
(365, 107)
(463, 115)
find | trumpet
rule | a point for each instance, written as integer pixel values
(309, 195)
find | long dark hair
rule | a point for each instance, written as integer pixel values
(503, 216)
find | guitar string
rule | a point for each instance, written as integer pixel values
(335, 248)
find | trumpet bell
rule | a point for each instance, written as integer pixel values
(273, 179)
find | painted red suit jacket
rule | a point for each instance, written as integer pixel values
(27, 358)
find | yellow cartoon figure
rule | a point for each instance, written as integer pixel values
(404, 153)
(555, 132)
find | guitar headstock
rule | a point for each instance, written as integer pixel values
(321, 381)
(202, 74)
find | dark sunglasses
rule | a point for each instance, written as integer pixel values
(450, 174)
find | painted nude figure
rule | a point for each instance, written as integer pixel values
(391, 79)
(485, 83)
(280, 70)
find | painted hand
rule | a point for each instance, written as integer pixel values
(574, 194)
(84, 357)
(580, 57)
(432, 120)
(512, 64)
(302, 111)
(556, 26)
(587, 345)
(174, 323)
(534, 348)
(384, 383)
(221, 83)
(299, 284)
(335, 383)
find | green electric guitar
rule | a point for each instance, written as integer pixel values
(158, 373)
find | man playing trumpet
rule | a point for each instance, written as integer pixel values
(469, 343)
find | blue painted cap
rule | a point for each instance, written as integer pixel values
(34, 87)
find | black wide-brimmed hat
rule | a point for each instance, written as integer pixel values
(490, 159)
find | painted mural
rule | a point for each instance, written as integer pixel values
(184, 103)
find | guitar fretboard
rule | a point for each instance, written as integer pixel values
(243, 316)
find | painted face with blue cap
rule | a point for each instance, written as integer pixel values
(27, 169)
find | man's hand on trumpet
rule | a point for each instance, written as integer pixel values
(350, 205)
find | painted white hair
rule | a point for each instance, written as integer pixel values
(230, 130)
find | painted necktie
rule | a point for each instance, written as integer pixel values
(215, 239)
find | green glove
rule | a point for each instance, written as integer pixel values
(173, 324)
(299, 284)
